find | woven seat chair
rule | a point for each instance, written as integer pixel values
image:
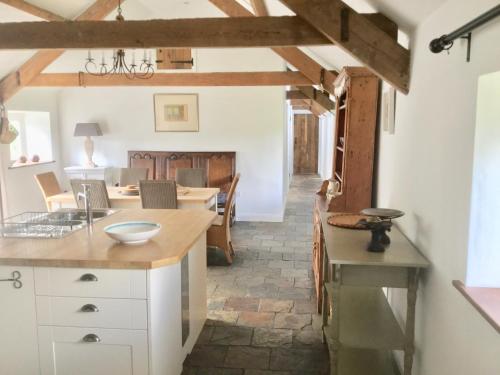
(219, 234)
(132, 176)
(191, 177)
(99, 198)
(48, 185)
(161, 194)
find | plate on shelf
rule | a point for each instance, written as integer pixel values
(349, 221)
(133, 232)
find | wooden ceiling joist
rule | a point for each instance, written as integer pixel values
(173, 79)
(33, 10)
(15, 81)
(359, 36)
(259, 7)
(300, 93)
(294, 56)
(172, 33)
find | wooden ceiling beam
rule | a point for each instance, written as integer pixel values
(295, 94)
(310, 93)
(259, 7)
(318, 97)
(358, 36)
(294, 56)
(33, 10)
(173, 79)
(172, 33)
(15, 81)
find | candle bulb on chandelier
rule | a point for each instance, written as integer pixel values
(89, 55)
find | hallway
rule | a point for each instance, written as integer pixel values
(261, 310)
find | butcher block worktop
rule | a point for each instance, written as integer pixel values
(180, 230)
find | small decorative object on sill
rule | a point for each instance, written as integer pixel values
(35, 159)
(22, 159)
(350, 221)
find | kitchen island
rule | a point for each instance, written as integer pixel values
(88, 305)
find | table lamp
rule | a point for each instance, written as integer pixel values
(88, 130)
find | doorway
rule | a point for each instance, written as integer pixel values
(305, 150)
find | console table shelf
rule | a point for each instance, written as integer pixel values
(359, 325)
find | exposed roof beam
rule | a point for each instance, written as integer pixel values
(318, 97)
(259, 7)
(294, 56)
(15, 81)
(173, 33)
(33, 10)
(306, 92)
(359, 37)
(173, 79)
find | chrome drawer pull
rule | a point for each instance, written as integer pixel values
(91, 338)
(16, 280)
(89, 308)
(88, 277)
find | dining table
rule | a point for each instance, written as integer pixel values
(187, 198)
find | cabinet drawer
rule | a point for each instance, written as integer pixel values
(92, 312)
(83, 282)
(84, 351)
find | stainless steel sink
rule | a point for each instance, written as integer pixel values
(49, 224)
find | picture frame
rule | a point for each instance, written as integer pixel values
(176, 112)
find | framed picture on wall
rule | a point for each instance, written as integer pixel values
(176, 112)
(388, 109)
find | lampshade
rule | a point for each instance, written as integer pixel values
(91, 129)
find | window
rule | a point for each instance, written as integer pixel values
(35, 138)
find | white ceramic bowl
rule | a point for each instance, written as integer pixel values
(133, 232)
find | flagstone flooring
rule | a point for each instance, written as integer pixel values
(261, 310)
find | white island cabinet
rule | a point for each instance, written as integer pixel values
(18, 341)
(140, 315)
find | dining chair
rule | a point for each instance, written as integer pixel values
(132, 176)
(191, 177)
(99, 198)
(161, 194)
(49, 186)
(219, 234)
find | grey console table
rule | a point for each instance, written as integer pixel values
(358, 324)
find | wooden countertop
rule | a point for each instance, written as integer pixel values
(180, 230)
(348, 246)
(202, 195)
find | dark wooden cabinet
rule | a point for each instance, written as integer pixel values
(219, 166)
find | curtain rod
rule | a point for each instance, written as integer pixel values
(445, 42)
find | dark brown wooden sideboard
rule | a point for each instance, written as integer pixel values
(220, 166)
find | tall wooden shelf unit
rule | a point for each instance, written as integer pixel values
(356, 91)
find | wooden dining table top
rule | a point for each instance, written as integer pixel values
(187, 194)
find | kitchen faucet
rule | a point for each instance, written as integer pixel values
(85, 195)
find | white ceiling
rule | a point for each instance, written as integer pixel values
(407, 13)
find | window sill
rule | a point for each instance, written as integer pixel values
(31, 164)
(485, 300)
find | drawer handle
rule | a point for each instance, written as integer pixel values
(91, 338)
(89, 308)
(88, 277)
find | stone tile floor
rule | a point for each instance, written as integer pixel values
(262, 309)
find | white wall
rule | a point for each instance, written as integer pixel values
(248, 120)
(425, 169)
(22, 192)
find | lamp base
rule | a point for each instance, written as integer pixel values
(89, 150)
